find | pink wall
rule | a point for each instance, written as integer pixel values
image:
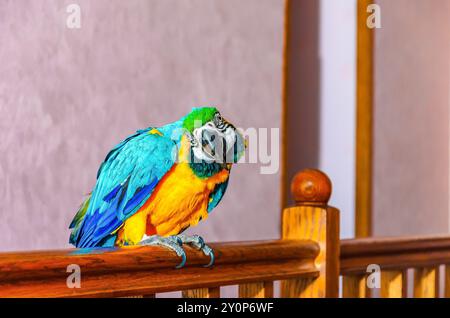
(411, 163)
(68, 95)
(321, 97)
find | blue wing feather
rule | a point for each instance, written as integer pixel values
(125, 181)
(217, 195)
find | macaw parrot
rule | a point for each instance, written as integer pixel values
(158, 182)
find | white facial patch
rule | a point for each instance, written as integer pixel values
(210, 143)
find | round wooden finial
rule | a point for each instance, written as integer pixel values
(311, 186)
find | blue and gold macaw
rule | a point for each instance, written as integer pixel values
(158, 182)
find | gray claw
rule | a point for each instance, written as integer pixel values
(208, 251)
(197, 242)
(173, 243)
(183, 261)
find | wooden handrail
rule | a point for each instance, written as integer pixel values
(394, 256)
(393, 252)
(149, 270)
(305, 260)
(392, 245)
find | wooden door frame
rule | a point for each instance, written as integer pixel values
(364, 121)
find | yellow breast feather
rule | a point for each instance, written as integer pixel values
(179, 201)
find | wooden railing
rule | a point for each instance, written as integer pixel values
(150, 270)
(305, 260)
(308, 260)
(395, 256)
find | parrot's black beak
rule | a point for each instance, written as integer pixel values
(209, 142)
(221, 145)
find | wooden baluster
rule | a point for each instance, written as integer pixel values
(354, 286)
(313, 219)
(391, 284)
(405, 283)
(447, 282)
(425, 284)
(256, 290)
(202, 293)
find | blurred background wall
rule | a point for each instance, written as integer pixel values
(411, 118)
(67, 96)
(411, 109)
(321, 97)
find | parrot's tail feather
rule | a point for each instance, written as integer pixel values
(77, 220)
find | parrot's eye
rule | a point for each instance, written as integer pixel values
(218, 119)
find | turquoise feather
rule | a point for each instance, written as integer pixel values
(126, 179)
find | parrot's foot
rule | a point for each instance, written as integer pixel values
(173, 243)
(197, 242)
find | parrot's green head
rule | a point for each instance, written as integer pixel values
(212, 138)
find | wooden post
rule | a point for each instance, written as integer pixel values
(425, 282)
(202, 293)
(391, 284)
(447, 282)
(256, 290)
(354, 286)
(313, 219)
